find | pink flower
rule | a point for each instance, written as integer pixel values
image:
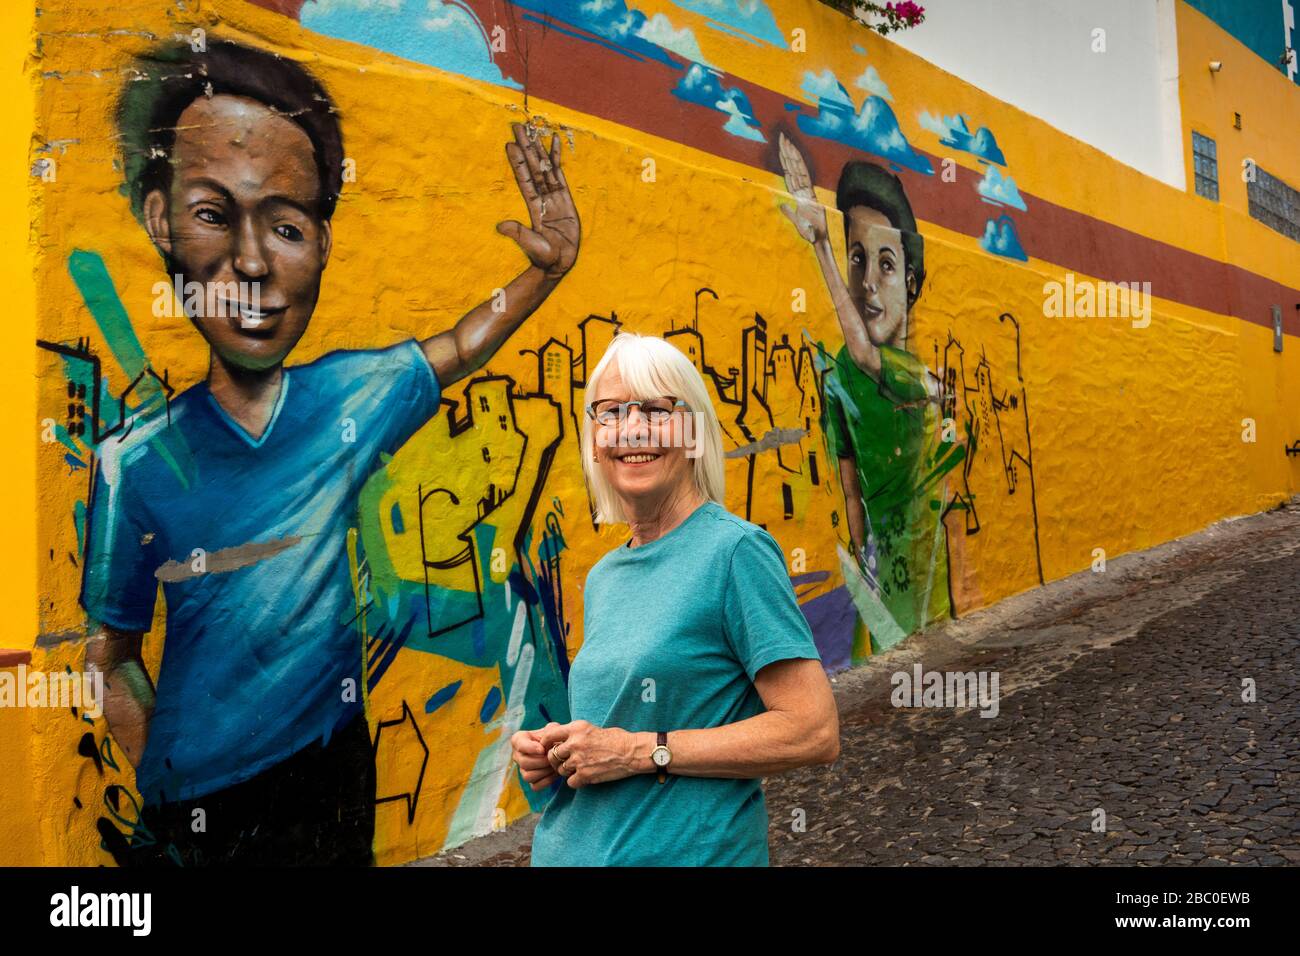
(907, 11)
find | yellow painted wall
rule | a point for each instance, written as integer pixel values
(1136, 433)
(1270, 116)
(20, 799)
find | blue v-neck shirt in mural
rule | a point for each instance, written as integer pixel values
(673, 634)
(258, 647)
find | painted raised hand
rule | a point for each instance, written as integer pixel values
(551, 239)
(808, 215)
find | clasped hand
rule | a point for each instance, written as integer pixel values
(580, 752)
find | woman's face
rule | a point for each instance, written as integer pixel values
(642, 462)
(878, 275)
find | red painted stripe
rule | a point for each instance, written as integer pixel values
(290, 8)
(12, 657)
(589, 78)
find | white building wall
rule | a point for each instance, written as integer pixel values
(1038, 55)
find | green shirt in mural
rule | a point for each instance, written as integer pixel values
(890, 428)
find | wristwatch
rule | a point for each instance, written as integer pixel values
(661, 755)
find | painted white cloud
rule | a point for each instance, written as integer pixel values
(695, 78)
(1000, 239)
(659, 30)
(825, 85)
(623, 26)
(1000, 189)
(935, 124)
(736, 125)
(871, 82)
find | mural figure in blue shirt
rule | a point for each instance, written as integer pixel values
(239, 500)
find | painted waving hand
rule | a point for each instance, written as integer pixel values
(808, 215)
(551, 239)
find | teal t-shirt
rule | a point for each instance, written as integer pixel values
(674, 632)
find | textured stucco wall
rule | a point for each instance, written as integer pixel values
(1079, 433)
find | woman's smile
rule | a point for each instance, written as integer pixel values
(638, 459)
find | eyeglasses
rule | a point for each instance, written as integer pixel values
(656, 410)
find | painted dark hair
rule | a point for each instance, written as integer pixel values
(171, 77)
(866, 184)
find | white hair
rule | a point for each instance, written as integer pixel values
(650, 368)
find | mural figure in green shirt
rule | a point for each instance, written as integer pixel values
(881, 407)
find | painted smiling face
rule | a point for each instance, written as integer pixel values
(642, 460)
(242, 218)
(879, 282)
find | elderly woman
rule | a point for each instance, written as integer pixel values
(697, 674)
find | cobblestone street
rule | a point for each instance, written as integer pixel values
(1120, 692)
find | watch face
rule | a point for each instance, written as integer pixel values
(660, 756)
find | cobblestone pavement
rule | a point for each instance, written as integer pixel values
(1120, 692)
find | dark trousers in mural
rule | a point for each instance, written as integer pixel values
(316, 808)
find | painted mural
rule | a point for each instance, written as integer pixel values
(310, 381)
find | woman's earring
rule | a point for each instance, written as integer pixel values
(595, 457)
